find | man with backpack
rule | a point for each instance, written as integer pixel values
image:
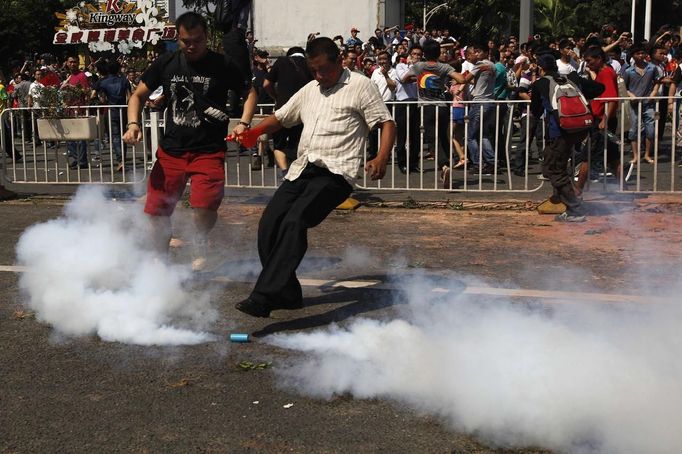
(569, 118)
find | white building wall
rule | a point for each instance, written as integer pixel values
(286, 23)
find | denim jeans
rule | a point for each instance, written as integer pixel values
(487, 123)
(648, 125)
(115, 136)
(78, 152)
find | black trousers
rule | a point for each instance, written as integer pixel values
(283, 232)
(441, 115)
(402, 112)
(237, 53)
(556, 154)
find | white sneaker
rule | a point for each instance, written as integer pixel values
(565, 217)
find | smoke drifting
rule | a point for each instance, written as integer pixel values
(581, 378)
(92, 272)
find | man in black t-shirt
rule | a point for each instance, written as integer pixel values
(288, 75)
(195, 81)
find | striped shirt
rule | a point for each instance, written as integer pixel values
(336, 123)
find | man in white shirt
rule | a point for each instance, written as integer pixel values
(34, 90)
(385, 77)
(386, 80)
(407, 114)
(33, 99)
(337, 110)
(566, 63)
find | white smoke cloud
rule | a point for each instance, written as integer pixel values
(581, 378)
(92, 272)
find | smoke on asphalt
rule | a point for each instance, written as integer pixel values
(583, 378)
(92, 271)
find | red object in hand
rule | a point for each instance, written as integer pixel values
(248, 138)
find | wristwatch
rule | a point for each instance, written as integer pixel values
(245, 124)
(132, 123)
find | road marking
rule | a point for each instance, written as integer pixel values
(558, 295)
(12, 269)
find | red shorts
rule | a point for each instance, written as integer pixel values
(169, 176)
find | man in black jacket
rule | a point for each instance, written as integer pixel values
(558, 150)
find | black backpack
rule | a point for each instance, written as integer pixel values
(222, 15)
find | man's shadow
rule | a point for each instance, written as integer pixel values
(385, 293)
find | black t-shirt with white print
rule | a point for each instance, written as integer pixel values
(212, 77)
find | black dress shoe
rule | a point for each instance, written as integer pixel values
(253, 308)
(402, 168)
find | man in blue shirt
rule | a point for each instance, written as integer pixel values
(114, 90)
(353, 40)
(641, 82)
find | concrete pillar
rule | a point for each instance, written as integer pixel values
(525, 20)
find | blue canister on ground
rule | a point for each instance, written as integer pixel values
(239, 337)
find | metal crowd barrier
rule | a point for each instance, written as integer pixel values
(28, 159)
(514, 156)
(614, 162)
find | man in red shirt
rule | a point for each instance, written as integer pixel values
(604, 115)
(77, 151)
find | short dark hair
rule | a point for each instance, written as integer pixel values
(565, 43)
(114, 68)
(191, 20)
(295, 50)
(655, 47)
(595, 52)
(495, 55)
(638, 47)
(431, 49)
(548, 63)
(322, 46)
(383, 52)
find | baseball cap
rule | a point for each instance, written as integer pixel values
(521, 59)
(354, 29)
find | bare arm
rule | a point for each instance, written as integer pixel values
(249, 137)
(461, 78)
(249, 111)
(654, 91)
(376, 168)
(408, 78)
(270, 88)
(133, 132)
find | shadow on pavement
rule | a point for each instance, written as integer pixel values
(367, 299)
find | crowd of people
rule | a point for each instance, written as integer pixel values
(96, 81)
(505, 69)
(414, 65)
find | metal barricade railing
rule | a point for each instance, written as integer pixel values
(101, 158)
(496, 135)
(484, 148)
(637, 151)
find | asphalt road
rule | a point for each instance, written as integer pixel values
(61, 394)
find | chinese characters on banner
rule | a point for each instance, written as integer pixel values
(113, 25)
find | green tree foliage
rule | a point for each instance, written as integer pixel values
(27, 27)
(206, 7)
(473, 20)
(483, 19)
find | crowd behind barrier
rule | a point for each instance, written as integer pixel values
(453, 143)
(515, 147)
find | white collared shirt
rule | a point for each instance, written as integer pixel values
(336, 123)
(408, 90)
(378, 78)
